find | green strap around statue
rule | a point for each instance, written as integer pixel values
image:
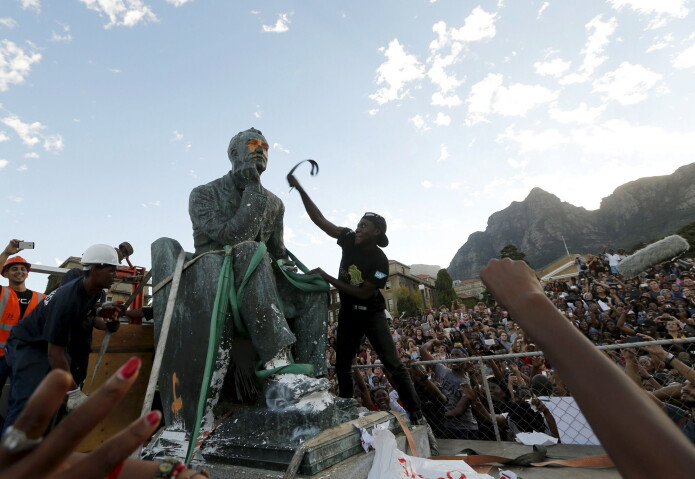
(228, 296)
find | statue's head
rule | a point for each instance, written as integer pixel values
(249, 145)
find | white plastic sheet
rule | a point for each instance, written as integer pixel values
(391, 463)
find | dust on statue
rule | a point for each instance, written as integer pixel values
(242, 309)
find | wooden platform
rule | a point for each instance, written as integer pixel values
(129, 340)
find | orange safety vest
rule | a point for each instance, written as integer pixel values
(9, 312)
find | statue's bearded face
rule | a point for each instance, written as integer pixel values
(249, 146)
(257, 151)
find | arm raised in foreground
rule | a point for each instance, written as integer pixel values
(637, 435)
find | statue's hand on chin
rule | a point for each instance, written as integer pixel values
(247, 175)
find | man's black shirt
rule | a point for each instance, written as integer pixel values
(358, 265)
(58, 317)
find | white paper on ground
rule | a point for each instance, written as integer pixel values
(536, 439)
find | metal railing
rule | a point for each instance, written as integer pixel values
(512, 405)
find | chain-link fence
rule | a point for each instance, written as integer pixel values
(496, 397)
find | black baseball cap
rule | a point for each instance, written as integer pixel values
(380, 223)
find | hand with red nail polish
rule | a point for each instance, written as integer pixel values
(55, 456)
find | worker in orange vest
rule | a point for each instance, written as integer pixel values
(16, 301)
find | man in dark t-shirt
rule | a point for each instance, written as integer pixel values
(363, 270)
(40, 341)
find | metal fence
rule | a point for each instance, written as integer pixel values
(497, 397)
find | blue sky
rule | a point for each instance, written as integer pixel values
(434, 113)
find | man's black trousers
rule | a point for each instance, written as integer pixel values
(353, 325)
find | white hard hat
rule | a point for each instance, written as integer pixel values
(100, 254)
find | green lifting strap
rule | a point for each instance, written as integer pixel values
(304, 282)
(227, 296)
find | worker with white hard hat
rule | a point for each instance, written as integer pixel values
(38, 343)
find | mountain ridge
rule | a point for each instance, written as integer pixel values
(638, 211)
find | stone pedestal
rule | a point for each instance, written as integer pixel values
(331, 444)
(263, 438)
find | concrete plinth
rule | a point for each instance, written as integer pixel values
(234, 443)
(355, 467)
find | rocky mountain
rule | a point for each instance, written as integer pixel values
(639, 211)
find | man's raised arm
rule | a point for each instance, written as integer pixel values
(313, 211)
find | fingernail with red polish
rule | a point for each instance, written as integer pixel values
(129, 368)
(153, 417)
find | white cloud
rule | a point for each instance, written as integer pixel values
(126, 13)
(15, 199)
(517, 165)
(373, 111)
(628, 84)
(114, 70)
(685, 59)
(8, 22)
(437, 72)
(255, 12)
(53, 143)
(22, 168)
(281, 25)
(518, 99)
(176, 136)
(151, 204)
(3, 136)
(449, 101)
(661, 42)
(661, 11)
(542, 9)
(258, 113)
(455, 185)
(582, 114)
(478, 26)
(490, 96)
(279, 147)
(556, 67)
(480, 99)
(442, 119)
(529, 140)
(593, 49)
(31, 4)
(400, 69)
(15, 63)
(58, 261)
(419, 122)
(65, 37)
(426, 184)
(443, 154)
(31, 133)
(621, 138)
(614, 138)
(178, 3)
(3, 163)
(31, 155)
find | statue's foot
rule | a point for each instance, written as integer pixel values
(283, 390)
(282, 358)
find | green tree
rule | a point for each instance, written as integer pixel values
(688, 232)
(407, 301)
(444, 289)
(512, 252)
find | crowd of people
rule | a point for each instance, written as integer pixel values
(603, 306)
(598, 304)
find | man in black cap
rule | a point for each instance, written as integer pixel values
(363, 270)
